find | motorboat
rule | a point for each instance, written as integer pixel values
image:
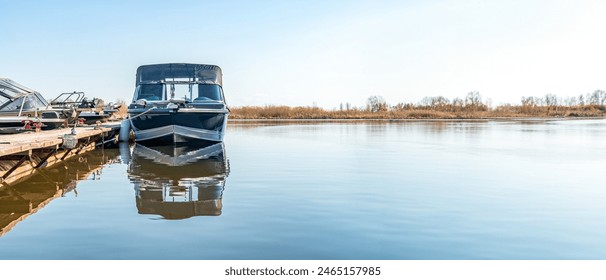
(89, 111)
(23, 109)
(94, 115)
(177, 103)
(178, 182)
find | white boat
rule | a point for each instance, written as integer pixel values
(23, 109)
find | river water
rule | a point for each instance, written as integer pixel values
(325, 190)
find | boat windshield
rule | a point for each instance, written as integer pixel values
(28, 102)
(150, 92)
(208, 92)
(188, 91)
(3, 100)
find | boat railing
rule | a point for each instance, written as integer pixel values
(68, 97)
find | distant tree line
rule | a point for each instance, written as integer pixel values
(471, 106)
(473, 102)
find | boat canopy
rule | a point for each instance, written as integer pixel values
(11, 89)
(179, 73)
(15, 96)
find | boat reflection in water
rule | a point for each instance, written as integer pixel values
(179, 182)
(21, 199)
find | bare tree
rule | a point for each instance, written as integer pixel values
(426, 101)
(528, 101)
(376, 104)
(597, 97)
(551, 100)
(435, 102)
(473, 99)
(439, 102)
(457, 104)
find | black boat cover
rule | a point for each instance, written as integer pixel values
(159, 73)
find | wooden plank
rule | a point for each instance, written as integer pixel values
(40, 144)
(23, 142)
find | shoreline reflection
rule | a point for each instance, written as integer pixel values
(21, 199)
(179, 182)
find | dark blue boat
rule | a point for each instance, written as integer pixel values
(178, 102)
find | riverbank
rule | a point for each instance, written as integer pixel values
(378, 121)
(501, 112)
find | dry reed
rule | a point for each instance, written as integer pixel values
(417, 112)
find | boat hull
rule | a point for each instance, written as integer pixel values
(93, 118)
(179, 127)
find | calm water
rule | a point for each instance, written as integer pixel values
(351, 190)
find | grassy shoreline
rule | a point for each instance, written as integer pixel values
(503, 119)
(448, 113)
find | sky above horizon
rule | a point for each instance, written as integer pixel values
(301, 53)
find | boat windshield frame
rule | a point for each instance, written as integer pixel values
(166, 96)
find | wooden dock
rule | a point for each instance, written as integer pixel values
(21, 155)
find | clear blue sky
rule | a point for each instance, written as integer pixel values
(306, 52)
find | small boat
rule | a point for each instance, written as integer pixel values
(86, 110)
(178, 102)
(93, 115)
(23, 109)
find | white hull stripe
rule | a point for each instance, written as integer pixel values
(179, 132)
